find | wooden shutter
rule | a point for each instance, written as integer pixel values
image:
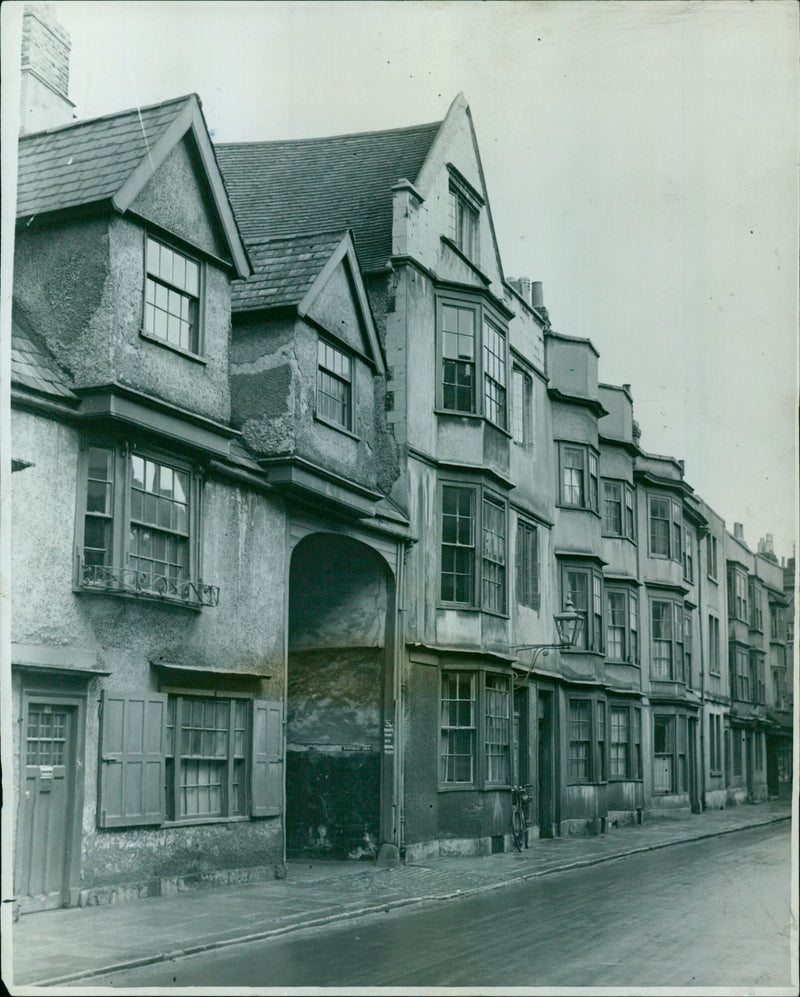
(266, 796)
(132, 739)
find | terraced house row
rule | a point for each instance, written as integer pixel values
(304, 484)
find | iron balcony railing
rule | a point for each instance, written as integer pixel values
(108, 578)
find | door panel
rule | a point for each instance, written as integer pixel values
(46, 805)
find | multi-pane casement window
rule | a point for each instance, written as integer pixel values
(334, 385)
(756, 610)
(475, 729)
(737, 595)
(527, 564)
(205, 756)
(584, 585)
(138, 526)
(688, 646)
(172, 297)
(494, 374)
(711, 556)
(715, 743)
(736, 741)
(521, 406)
(622, 625)
(586, 733)
(669, 753)
(625, 742)
(777, 623)
(667, 640)
(666, 528)
(713, 645)
(464, 215)
(779, 684)
(688, 557)
(469, 512)
(739, 667)
(579, 481)
(474, 349)
(618, 509)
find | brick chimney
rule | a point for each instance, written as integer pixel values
(44, 83)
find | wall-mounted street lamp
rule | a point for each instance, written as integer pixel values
(568, 628)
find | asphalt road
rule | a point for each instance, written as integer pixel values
(707, 913)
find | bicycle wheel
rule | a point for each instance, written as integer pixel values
(518, 828)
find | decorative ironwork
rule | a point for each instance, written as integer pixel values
(128, 580)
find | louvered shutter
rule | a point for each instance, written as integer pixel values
(267, 761)
(132, 738)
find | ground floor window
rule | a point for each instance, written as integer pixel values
(785, 763)
(736, 738)
(758, 751)
(475, 710)
(587, 740)
(625, 746)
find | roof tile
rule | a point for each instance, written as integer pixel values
(32, 364)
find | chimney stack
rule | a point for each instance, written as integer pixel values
(522, 286)
(738, 531)
(44, 84)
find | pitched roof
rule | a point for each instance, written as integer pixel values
(283, 269)
(32, 364)
(280, 188)
(88, 161)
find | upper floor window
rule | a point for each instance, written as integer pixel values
(584, 585)
(713, 645)
(464, 214)
(622, 625)
(756, 612)
(474, 350)
(172, 297)
(666, 528)
(579, 481)
(737, 594)
(777, 622)
(468, 512)
(667, 635)
(139, 526)
(527, 564)
(688, 557)
(494, 374)
(618, 509)
(334, 385)
(521, 406)
(740, 675)
(789, 631)
(757, 680)
(711, 554)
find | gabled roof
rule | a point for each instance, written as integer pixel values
(283, 269)
(110, 160)
(32, 364)
(281, 188)
(293, 270)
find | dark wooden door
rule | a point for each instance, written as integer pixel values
(545, 762)
(46, 805)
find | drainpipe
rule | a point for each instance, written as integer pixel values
(399, 739)
(702, 682)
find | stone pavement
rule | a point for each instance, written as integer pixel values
(63, 946)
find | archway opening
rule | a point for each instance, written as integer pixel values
(339, 594)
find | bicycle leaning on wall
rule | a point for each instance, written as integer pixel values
(520, 798)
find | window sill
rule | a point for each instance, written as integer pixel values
(625, 778)
(463, 256)
(335, 425)
(192, 821)
(711, 578)
(578, 508)
(614, 536)
(462, 608)
(620, 661)
(175, 349)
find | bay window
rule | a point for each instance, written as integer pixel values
(475, 729)
(618, 506)
(494, 374)
(622, 625)
(139, 525)
(584, 585)
(587, 740)
(737, 594)
(334, 385)
(666, 528)
(469, 512)
(579, 481)
(667, 640)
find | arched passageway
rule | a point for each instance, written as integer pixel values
(339, 593)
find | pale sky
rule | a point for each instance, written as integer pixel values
(640, 159)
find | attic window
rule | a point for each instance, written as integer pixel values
(334, 386)
(463, 221)
(172, 297)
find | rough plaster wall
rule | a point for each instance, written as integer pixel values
(60, 275)
(335, 309)
(338, 595)
(179, 199)
(149, 366)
